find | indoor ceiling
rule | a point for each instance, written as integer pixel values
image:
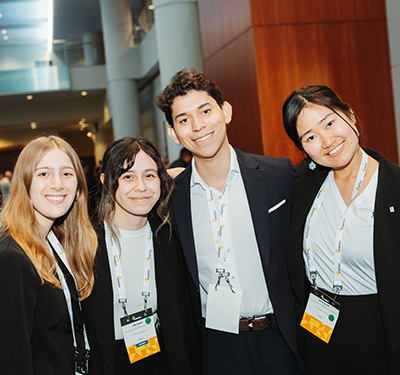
(24, 22)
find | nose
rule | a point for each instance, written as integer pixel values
(327, 139)
(197, 124)
(140, 185)
(57, 182)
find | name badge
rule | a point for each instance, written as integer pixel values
(140, 336)
(321, 315)
(83, 367)
(223, 308)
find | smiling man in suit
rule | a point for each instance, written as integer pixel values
(231, 211)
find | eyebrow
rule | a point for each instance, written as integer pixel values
(319, 122)
(51, 168)
(199, 107)
(146, 170)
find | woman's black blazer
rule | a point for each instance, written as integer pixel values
(98, 308)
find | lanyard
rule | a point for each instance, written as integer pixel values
(55, 244)
(219, 223)
(337, 278)
(116, 253)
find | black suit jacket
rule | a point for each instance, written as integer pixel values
(267, 182)
(98, 308)
(35, 328)
(386, 248)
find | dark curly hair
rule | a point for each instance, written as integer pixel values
(181, 84)
(118, 158)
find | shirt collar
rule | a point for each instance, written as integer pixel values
(196, 179)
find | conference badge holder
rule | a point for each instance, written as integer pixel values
(321, 315)
(83, 367)
(140, 336)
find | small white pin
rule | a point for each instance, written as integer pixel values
(391, 209)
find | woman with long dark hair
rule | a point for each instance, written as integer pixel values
(135, 314)
(343, 253)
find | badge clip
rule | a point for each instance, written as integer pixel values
(122, 301)
(221, 273)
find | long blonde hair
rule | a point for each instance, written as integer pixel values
(73, 230)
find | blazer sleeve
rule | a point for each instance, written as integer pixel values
(19, 282)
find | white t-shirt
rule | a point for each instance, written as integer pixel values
(133, 245)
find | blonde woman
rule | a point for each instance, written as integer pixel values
(47, 248)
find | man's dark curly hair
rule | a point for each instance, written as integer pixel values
(181, 84)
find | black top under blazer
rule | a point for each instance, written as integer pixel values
(267, 181)
(386, 248)
(98, 308)
(35, 328)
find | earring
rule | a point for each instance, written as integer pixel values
(312, 165)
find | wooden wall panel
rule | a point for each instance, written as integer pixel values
(234, 70)
(221, 22)
(340, 43)
(351, 58)
(268, 12)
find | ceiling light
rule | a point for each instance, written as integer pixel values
(89, 134)
(84, 93)
(33, 125)
(29, 97)
(150, 7)
(1, 15)
(5, 37)
(4, 31)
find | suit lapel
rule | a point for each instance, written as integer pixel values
(257, 196)
(182, 218)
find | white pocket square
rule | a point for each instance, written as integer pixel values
(272, 209)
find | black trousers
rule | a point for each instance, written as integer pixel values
(357, 344)
(248, 353)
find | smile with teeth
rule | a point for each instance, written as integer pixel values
(204, 138)
(55, 198)
(336, 149)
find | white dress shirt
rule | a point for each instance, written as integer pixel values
(243, 260)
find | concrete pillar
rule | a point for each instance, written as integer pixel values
(93, 49)
(116, 19)
(393, 14)
(178, 43)
(160, 123)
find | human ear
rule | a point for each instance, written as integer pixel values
(172, 134)
(227, 110)
(102, 178)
